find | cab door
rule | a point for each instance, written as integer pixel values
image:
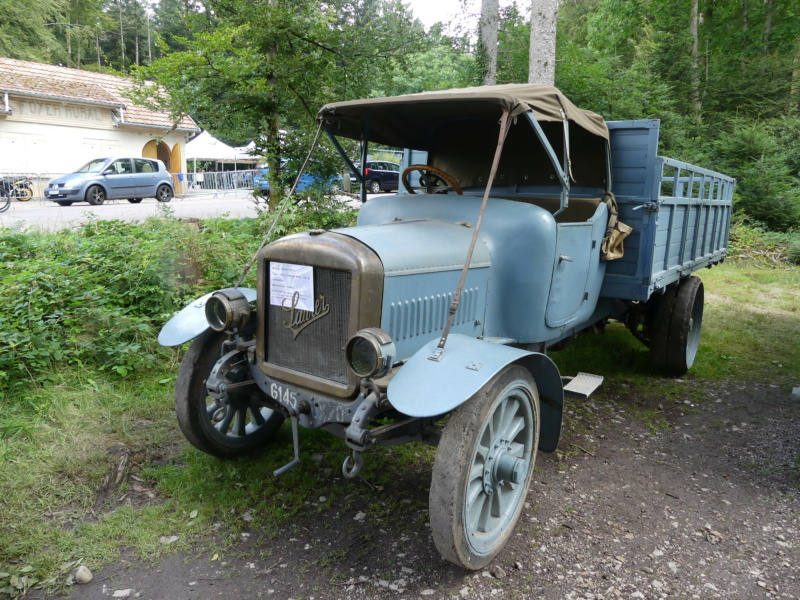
(119, 179)
(146, 177)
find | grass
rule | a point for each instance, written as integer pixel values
(104, 467)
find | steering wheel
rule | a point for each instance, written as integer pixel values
(433, 180)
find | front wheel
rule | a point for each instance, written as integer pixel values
(24, 193)
(164, 193)
(95, 195)
(234, 425)
(483, 468)
(134, 200)
(5, 201)
(64, 202)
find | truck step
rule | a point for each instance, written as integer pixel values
(582, 385)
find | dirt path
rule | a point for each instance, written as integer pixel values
(706, 506)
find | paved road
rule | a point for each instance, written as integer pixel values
(48, 215)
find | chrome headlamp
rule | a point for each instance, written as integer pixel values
(227, 310)
(370, 353)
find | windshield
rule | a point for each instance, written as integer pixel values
(93, 166)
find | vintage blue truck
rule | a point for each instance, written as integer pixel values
(522, 222)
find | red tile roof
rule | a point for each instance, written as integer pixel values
(60, 83)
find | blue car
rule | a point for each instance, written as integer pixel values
(307, 180)
(113, 178)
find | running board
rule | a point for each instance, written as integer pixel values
(582, 385)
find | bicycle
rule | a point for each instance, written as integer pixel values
(21, 189)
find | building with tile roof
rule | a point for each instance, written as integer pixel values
(53, 119)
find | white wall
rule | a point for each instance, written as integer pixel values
(49, 136)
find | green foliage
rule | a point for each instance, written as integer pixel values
(23, 31)
(753, 242)
(762, 157)
(282, 60)
(102, 301)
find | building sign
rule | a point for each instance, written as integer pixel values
(61, 111)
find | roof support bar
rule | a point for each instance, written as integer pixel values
(343, 153)
(561, 172)
(364, 154)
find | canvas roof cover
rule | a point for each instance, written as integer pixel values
(407, 121)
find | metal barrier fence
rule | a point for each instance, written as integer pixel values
(185, 184)
(217, 182)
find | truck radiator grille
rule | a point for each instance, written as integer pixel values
(318, 349)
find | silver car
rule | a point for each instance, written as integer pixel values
(113, 178)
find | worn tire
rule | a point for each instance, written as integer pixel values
(497, 428)
(676, 327)
(195, 409)
(95, 195)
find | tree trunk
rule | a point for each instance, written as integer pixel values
(795, 87)
(121, 35)
(542, 57)
(695, 66)
(490, 19)
(768, 26)
(273, 132)
(745, 24)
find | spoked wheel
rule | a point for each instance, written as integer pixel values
(164, 193)
(95, 195)
(375, 187)
(676, 329)
(483, 468)
(24, 194)
(236, 423)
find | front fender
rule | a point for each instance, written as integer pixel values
(427, 388)
(191, 321)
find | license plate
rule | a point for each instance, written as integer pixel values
(283, 394)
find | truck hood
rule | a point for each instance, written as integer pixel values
(420, 246)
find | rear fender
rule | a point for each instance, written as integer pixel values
(191, 321)
(426, 388)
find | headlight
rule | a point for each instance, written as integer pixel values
(227, 310)
(370, 352)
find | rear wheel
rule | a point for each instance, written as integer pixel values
(676, 327)
(483, 468)
(24, 193)
(375, 187)
(95, 195)
(5, 201)
(164, 193)
(134, 200)
(236, 423)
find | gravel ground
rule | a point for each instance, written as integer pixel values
(646, 498)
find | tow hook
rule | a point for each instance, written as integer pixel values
(358, 462)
